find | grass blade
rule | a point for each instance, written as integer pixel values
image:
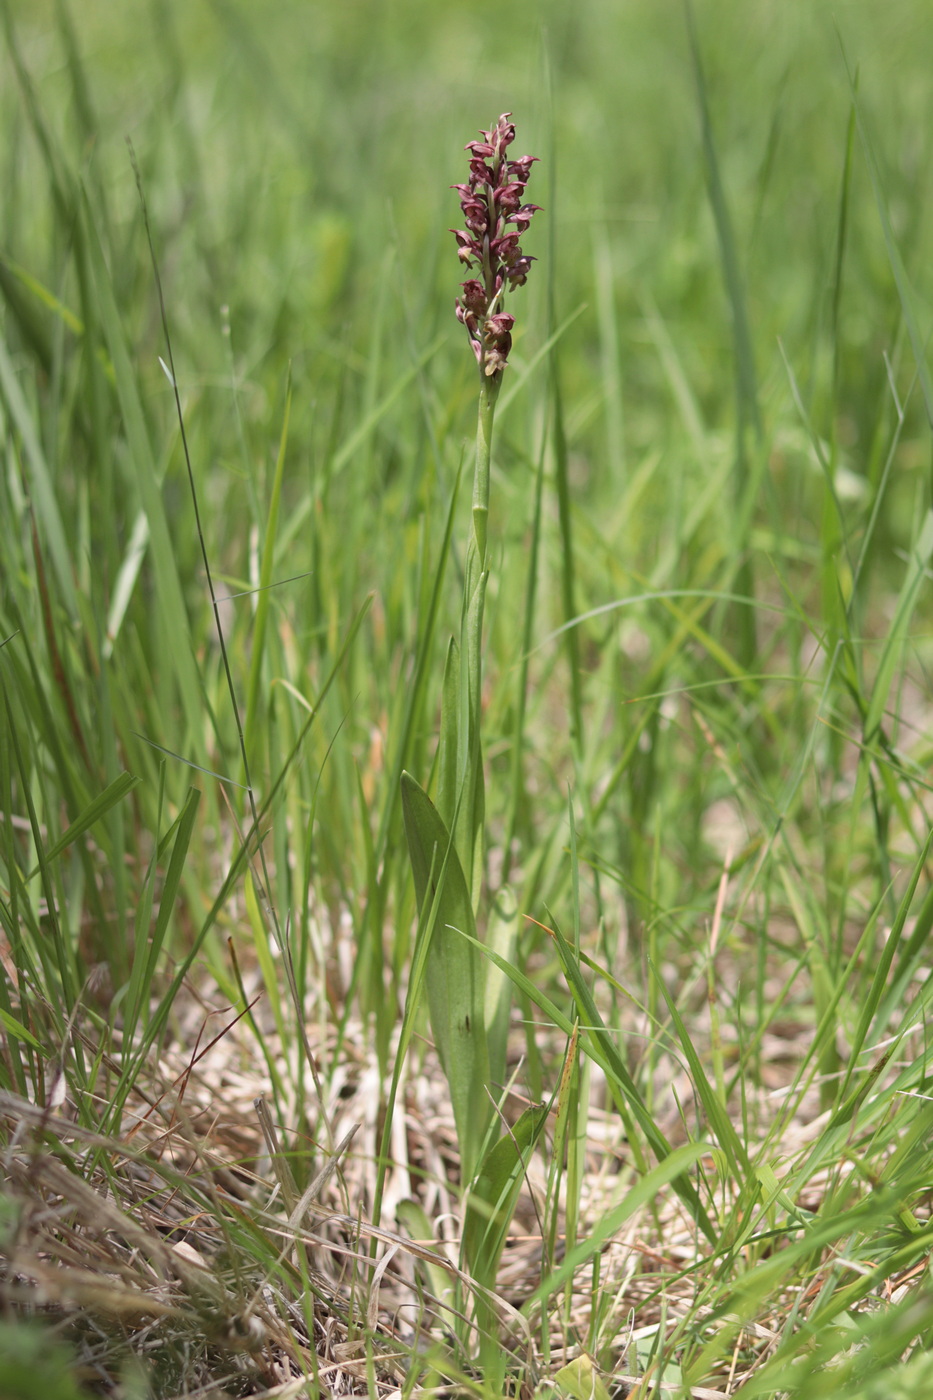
(624, 1086)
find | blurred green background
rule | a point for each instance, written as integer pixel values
(298, 158)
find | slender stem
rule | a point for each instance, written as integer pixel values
(468, 829)
(488, 394)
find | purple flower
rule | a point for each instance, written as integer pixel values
(495, 218)
(498, 327)
(480, 172)
(508, 198)
(475, 298)
(518, 272)
(522, 217)
(506, 248)
(521, 169)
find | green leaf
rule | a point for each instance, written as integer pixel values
(492, 1197)
(581, 1380)
(413, 1216)
(904, 289)
(17, 1029)
(148, 951)
(448, 739)
(718, 1118)
(501, 937)
(111, 795)
(358, 438)
(142, 474)
(34, 1362)
(38, 476)
(455, 971)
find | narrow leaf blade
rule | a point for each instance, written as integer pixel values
(455, 972)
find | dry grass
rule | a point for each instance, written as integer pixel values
(184, 1249)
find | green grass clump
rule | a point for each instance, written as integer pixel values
(704, 703)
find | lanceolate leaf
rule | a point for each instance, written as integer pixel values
(489, 1209)
(455, 970)
(492, 1199)
(501, 937)
(581, 1380)
(471, 814)
(448, 744)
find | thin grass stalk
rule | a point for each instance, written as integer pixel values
(748, 415)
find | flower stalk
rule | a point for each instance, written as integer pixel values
(446, 839)
(495, 216)
(488, 394)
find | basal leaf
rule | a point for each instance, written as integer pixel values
(455, 970)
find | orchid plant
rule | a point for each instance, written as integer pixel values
(468, 994)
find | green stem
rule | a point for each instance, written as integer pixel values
(488, 394)
(471, 815)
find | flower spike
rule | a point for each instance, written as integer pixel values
(495, 219)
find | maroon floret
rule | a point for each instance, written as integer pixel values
(495, 218)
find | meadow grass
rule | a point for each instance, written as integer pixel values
(229, 585)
